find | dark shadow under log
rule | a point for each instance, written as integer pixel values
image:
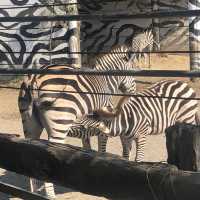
(96, 173)
(183, 146)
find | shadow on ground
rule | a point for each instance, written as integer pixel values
(23, 182)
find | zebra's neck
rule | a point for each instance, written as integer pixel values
(114, 60)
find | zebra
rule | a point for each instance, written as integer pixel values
(57, 111)
(117, 59)
(139, 44)
(143, 114)
(52, 102)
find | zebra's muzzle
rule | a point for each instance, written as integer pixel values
(104, 129)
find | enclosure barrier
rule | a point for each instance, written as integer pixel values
(151, 73)
(89, 17)
(94, 173)
(183, 146)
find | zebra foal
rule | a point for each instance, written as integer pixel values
(144, 115)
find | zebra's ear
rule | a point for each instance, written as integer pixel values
(150, 32)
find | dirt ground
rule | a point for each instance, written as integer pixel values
(11, 123)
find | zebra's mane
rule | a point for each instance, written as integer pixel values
(157, 88)
(113, 49)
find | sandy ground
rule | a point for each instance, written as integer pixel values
(11, 123)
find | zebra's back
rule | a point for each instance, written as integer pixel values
(62, 98)
(151, 111)
(163, 104)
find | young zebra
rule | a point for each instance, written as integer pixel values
(142, 116)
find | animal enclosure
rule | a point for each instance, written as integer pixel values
(33, 44)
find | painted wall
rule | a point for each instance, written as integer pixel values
(101, 36)
(28, 44)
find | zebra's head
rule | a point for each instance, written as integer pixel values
(127, 84)
(90, 123)
(143, 40)
(141, 44)
(117, 59)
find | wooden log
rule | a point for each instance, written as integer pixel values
(97, 173)
(183, 146)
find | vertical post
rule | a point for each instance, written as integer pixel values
(74, 28)
(155, 25)
(194, 36)
(183, 142)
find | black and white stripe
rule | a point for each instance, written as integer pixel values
(56, 116)
(142, 42)
(32, 44)
(143, 116)
(57, 110)
(121, 56)
(28, 45)
(59, 100)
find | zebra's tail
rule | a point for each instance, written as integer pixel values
(24, 98)
(32, 125)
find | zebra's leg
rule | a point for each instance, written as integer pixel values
(86, 143)
(32, 126)
(127, 146)
(33, 130)
(140, 146)
(145, 59)
(53, 136)
(102, 142)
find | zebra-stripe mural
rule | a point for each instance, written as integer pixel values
(194, 35)
(29, 44)
(101, 36)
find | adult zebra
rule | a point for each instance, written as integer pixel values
(57, 110)
(143, 115)
(53, 102)
(117, 59)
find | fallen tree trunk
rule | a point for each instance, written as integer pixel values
(96, 173)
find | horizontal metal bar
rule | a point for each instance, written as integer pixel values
(102, 52)
(106, 94)
(56, 27)
(149, 73)
(104, 17)
(36, 5)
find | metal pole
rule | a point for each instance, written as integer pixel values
(155, 25)
(194, 36)
(74, 28)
